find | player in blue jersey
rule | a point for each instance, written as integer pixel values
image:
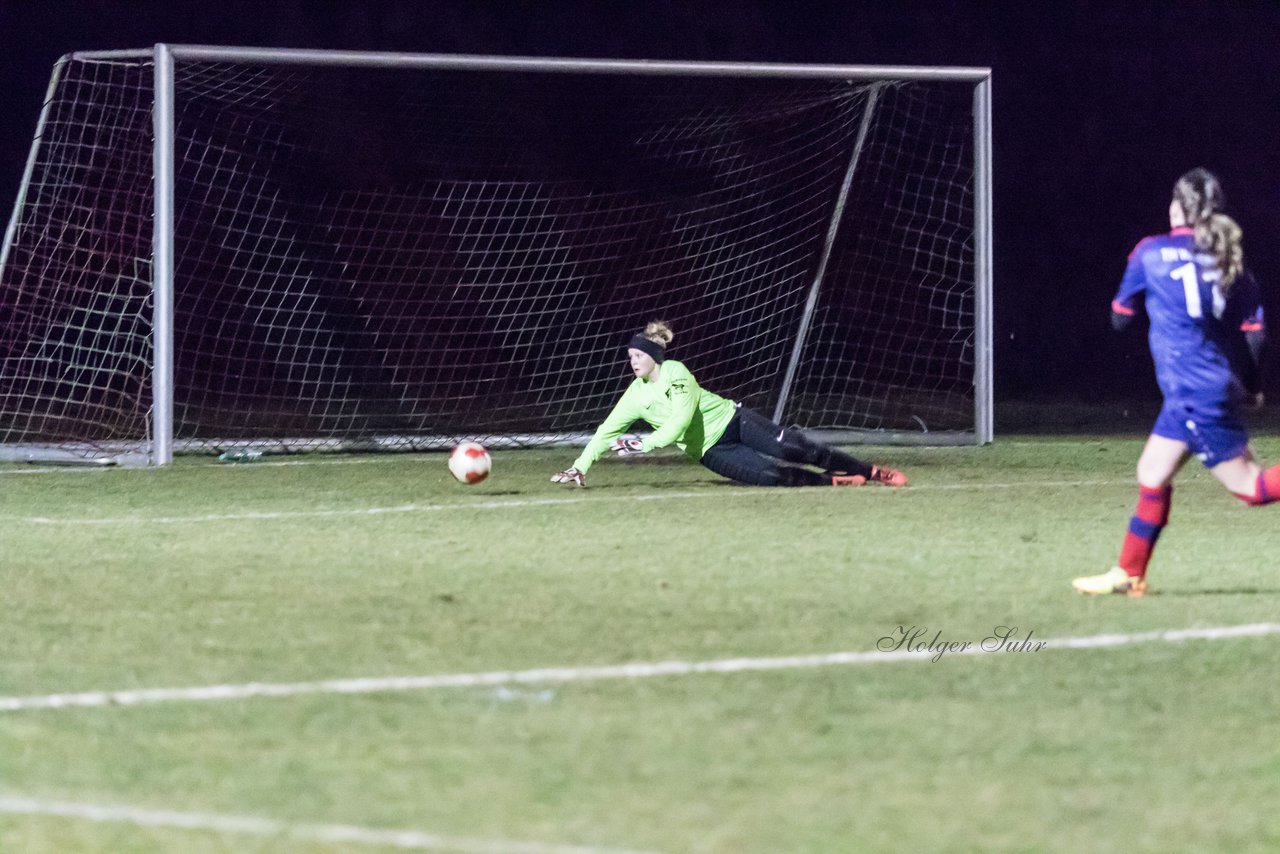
(1206, 339)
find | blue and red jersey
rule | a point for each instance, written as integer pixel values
(1197, 335)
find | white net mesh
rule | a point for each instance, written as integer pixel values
(404, 258)
(75, 288)
(892, 347)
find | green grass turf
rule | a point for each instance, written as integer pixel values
(130, 581)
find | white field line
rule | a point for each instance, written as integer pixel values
(399, 459)
(21, 471)
(510, 504)
(252, 826)
(637, 670)
(429, 458)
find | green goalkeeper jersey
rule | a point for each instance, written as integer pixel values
(675, 407)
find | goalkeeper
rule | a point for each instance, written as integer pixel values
(732, 441)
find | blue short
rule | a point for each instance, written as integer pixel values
(1214, 437)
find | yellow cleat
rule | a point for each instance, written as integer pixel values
(1115, 580)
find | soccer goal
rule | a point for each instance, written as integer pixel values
(225, 247)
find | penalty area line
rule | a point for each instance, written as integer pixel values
(636, 670)
(255, 826)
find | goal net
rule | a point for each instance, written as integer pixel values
(299, 250)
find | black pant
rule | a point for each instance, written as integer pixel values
(752, 445)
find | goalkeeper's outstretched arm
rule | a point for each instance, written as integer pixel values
(645, 354)
(625, 413)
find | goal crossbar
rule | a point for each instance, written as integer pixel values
(478, 62)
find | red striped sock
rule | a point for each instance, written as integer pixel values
(1266, 490)
(1144, 529)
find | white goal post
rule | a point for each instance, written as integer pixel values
(219, 247)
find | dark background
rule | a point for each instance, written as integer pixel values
(1098, 107)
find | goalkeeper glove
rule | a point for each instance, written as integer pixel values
(627, 445)
(570, 475)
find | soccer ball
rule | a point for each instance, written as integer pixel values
(469, 462)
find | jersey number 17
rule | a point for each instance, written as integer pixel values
(1191, 287)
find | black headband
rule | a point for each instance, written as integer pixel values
(655, 350)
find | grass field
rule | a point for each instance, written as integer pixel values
(377, 567)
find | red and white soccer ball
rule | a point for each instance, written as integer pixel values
(470, 463)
